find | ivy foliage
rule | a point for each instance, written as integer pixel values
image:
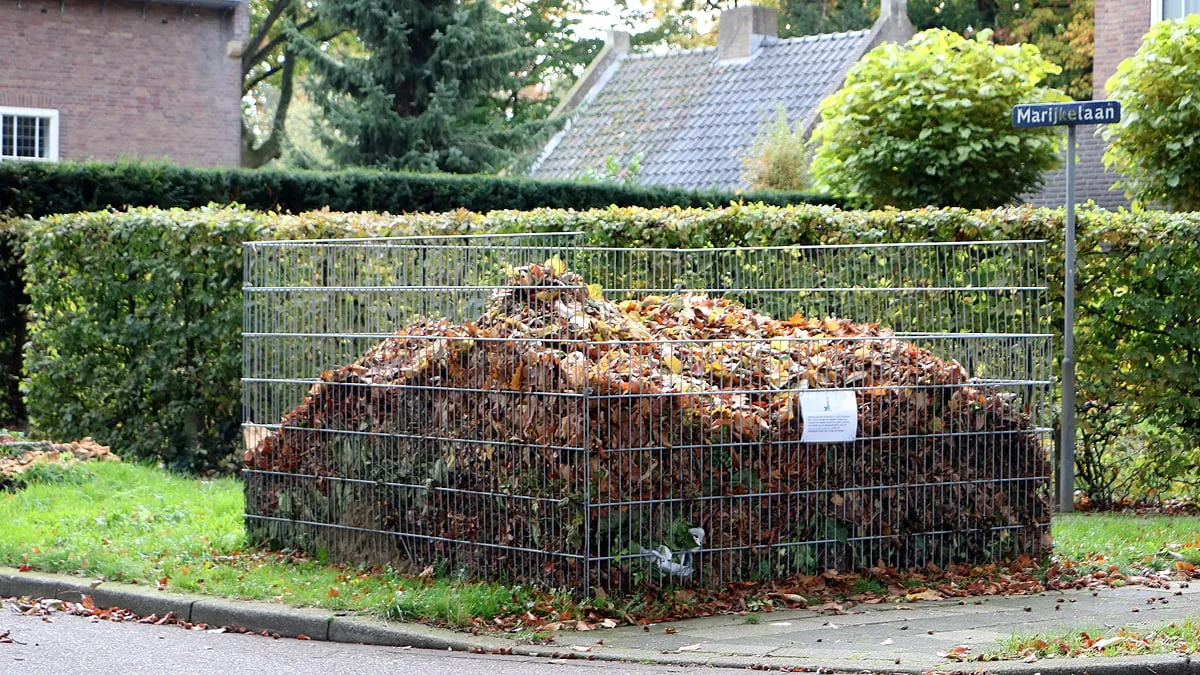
(1156, 146)
(928, 123)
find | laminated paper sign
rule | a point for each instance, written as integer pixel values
(830, 416)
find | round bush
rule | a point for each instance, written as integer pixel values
(1156, 147)
(929, 123)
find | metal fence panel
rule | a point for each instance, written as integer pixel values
(526, 407)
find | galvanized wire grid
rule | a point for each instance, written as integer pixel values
(523, 426)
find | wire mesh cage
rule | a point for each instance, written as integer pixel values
(530, 408)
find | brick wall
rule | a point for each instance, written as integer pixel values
(1120, 25)
(129, 81)
(1092, 181)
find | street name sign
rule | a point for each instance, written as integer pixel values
(1069, 115)
(1062, 114)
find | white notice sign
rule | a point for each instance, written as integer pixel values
(830, 415)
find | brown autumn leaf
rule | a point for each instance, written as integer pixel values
(793, 599)
(831, 607)
(957, 653)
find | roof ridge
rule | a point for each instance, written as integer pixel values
(767, 40)
(818, 36)
(673, 52)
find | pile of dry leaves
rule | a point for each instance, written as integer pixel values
(667, 409)
(17, 456)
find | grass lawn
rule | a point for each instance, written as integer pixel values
(131, 523)
(1182, 638)
(1130, 541)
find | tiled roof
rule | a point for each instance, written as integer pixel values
(690, 116)
(1091, 180)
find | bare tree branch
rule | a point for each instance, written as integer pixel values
(251, 56)
(256, 156)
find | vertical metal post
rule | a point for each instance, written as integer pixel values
(1066, 468)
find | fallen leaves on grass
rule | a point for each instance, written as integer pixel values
(1181, 638)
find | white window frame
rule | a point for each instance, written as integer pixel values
(1156, 11)
(51, 143)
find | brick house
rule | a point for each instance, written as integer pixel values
(1120, 26)
(689, 115)
(107, 80)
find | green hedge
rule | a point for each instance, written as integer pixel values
(38, 189)
(136, 316)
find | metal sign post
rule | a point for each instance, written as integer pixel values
(1069, 115)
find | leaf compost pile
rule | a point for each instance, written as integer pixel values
(626, 420)
(19, 456)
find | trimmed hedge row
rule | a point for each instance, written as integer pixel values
(136, 316)
(37, 189)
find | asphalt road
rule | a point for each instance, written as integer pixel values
(73, 644)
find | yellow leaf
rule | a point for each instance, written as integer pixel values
(673, 364)
(556, 265)
(781, 345)
(595, 292)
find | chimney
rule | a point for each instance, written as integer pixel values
(893, 24)
(741, 30)
(617, 40)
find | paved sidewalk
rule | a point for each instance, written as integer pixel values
(883, 638)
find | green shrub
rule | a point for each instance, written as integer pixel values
(135, 333)
(136, 316)
(928, 123)
(1156, 147)
(1140, 354)
(778, 157)
(39, 189)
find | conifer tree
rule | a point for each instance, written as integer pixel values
(426, 87)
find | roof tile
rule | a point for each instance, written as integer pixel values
(690, 116)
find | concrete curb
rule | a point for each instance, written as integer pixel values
(258, 617)
(323, 625)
